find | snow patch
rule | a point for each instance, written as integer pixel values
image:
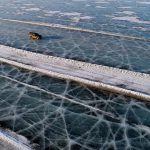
(126, 12)
(132, 19)
(145, 2)
(32, 9)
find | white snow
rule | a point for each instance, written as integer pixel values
(107, 78)
(32, 9)
(13, 141)
(126, 12)
(132, 19)
(144, 2)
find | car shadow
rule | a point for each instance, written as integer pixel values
(52, 37)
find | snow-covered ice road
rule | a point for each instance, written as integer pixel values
(115, 80)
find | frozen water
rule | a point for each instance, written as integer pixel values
(83, 13)
(55, 114)
(63, 115)
(95, 48)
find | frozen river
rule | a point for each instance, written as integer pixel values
(56, 114)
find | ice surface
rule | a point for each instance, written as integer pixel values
(51, 117)
(129, 53)
(63, 115)
(97, 9)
